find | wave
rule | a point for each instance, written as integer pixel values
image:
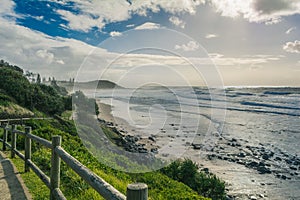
(248, 103)
(277, 93)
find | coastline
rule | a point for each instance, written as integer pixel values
(124, 128)
(240, 163)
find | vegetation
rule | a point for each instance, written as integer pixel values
(188, 172)
(15, 87)
(180, 180)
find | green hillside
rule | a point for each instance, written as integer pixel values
(19, 97)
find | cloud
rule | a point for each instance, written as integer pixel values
(81, 22)
(130, 25)
(290, 30)
(148, 26)
(115, 34)
(7, 10)
(246, 60)
(177, 22)
(44, 54)
(209, 36)
(105, 12)
(292, 47)
(39, 18)
(190, 46)
(261, 11)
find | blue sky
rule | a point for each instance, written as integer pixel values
(189, 42)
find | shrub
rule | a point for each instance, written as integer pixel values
(204, 183)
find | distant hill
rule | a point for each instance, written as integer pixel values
(101, 84)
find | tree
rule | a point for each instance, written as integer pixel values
(38, 79)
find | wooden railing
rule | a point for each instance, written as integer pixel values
(136, 191)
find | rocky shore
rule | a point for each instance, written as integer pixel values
(264, 167)
(265, 160)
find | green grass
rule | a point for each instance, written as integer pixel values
(36, 187)
(161, 187)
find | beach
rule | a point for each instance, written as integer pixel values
(255, 154)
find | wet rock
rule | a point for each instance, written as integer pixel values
(253, 197)
(278, 159)
(241, 155)
(293, 168)
(266, 156)
(229, 197)
(154, 150)
(252, 164)
(197, 146)
(283, 177)
(152, 139)
(263, 170)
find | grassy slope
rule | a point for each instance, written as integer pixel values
(160, 186)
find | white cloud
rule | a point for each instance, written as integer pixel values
(115, 34)
(267, 11)
(290, 30)
(209, 36)
(148, 26)
(292, 47)
(7, 9)
(81, 22)
(44, 54)
(60, 62)
(190, 46)
(39, 18)
(177, 22)
(247, 60)
(130, 25)
(120, 10)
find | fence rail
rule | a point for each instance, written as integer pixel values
(136, 191)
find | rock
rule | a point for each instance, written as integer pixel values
(277, 159)
(263, 170)
(265, 156)
(152, 139)
(241, 155)
(206, 170)
(261, 196)
(154, 150)
(253, 197)
(283, 177)
(252, 164)
(229, 197)
(197, 146)
(293, 168)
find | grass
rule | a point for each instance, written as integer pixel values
(161, 187)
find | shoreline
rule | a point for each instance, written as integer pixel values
(248, 170)
(124, 129)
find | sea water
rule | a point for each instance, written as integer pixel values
(197, 122)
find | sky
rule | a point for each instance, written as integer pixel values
(169, 42)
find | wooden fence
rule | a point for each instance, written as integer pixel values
(135, 191)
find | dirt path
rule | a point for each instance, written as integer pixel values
(11, 184)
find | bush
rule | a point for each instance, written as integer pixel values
(187, 172)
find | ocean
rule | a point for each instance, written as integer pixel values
(249, 137)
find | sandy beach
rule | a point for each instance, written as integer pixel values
(123, 126)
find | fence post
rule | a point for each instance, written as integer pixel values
(4, 137)
(137, 191)
(13, 141)
(27, 148)
(55, 166)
